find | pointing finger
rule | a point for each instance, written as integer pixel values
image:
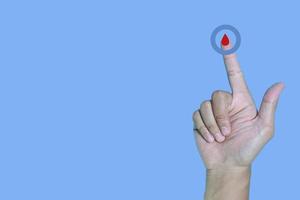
(234, 73)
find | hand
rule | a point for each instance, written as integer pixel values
(229, 130)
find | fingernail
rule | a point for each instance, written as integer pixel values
(225, 130)
(220, 137)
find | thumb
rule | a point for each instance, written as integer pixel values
(269, 103)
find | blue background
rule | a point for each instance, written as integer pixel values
(97, 96)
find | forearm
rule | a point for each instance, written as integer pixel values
(228, 184)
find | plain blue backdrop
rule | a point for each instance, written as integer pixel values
(97, 96)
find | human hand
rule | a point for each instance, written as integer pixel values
(229, 130)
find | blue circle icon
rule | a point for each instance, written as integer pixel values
(219, 49)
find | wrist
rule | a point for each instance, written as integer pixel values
(229, 170)
(228, 183)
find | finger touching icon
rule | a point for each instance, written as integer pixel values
(225, 39)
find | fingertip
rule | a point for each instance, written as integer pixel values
(210, 138)
(278, 85)
(226, 47)
(206, 136)
(273, 93)
(281, 85)
(225, 130)
(219, 137)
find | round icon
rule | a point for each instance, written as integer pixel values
(219, 49)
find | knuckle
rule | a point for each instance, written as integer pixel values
(220, 95)
(217, 93)
(195, 115)
(205, 104)
(234, 73)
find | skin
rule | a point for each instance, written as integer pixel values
(230, 132)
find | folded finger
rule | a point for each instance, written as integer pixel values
(208, 118)
(221, 101)
(200, 128)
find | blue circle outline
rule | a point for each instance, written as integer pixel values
(215, 33)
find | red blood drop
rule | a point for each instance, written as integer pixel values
(225, 40)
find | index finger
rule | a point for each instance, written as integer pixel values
(234, 72)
